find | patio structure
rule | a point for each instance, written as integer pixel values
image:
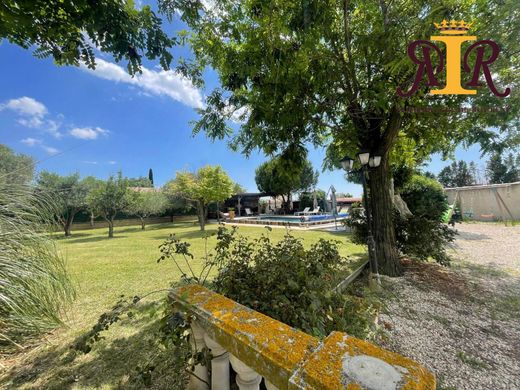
(260, 348)
(240, 202)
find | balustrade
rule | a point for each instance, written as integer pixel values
(257, 346)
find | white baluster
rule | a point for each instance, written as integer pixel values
(197, 340)
(219, 365)
(269, 385)
(247, 378)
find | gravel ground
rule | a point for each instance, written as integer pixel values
(463, 323)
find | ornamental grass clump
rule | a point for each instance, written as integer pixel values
(34, 286)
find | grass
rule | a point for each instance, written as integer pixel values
(102, 270)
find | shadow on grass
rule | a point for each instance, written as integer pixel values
(112, 363)
(96, 238)
(187, 235)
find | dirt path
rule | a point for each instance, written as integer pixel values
(463, 323)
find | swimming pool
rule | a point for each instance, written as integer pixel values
(288, 220)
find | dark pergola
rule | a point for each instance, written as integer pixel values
(245, 200)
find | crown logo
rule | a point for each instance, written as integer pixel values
(453, 27)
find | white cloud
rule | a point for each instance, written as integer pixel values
(90, 162)
(31, 141)
(161, 83)
(25, 106)
(32, 114)
(50, 150)
(88, 132)
(112, 162)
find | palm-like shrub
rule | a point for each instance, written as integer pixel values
(33, 282)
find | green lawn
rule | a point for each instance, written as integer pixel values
(102, 270)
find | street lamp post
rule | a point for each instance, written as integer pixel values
(366, 162)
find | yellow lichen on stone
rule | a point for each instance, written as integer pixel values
(291, 359)
(325, 370)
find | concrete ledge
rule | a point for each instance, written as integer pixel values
(292, 359)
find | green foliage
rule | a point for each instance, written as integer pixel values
(307, 199)
(326, 73)
(108, 198)
(281, 177)
(507, 171)
(422, 235)
(15, 168)
(425, 197)
(146, 203)
(208, 184)
(289, 283)
(458, 174)
(140, 181)
(69, 194)
(70, 31)
(150, 176)
(34, 284)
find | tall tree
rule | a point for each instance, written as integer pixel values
(326, 73)
(150, 176)
(109, 198)
(280, 178)
(68, 192)
(69, 31)
(458, 174)
(209, 184)
(15, 168)
(144, 204)
(499, 171)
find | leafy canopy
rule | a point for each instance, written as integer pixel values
(277, 177)
(15, 168)
(146, 203)
(69, 31)
(208, 184)
(326, 72)
(110, 197)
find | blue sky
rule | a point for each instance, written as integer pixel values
(98, 122)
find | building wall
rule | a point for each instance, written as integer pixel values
(481, 203)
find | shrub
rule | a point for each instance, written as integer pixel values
(425, 197)
(290, 283)
(33, 283)
(421, 236)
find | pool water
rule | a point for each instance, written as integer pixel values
(305, 220)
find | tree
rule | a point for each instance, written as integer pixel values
(144, 204)
(69, 31)
(208, 184)
(279, 177)
(15, 168)
(150, 176)
(69, 194)
(458, 174)
(506, 171)
(140, 181)
(110, 198)
(327, 73)
(91, 183)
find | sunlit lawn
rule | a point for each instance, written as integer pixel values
(103, 270)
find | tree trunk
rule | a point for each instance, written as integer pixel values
(91, 219)
(143, 226)
(110, 227)
(382, 219)
(201, 216)
(67, 224)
